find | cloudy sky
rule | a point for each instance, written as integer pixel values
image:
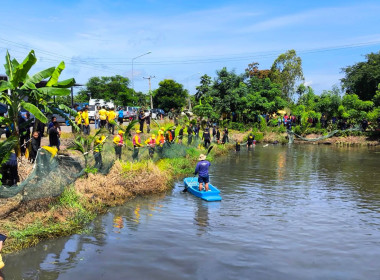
(189, 38)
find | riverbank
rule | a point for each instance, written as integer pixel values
(369, 139)
(28, 223)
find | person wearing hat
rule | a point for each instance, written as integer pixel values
(161, 138)
(250, 140)
(202, 169)
(136, 144)
(118, 141)
(98, 148)
(151, 143)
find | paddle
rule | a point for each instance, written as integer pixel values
(208, 151)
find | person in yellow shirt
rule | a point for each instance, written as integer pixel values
(119, 143)
(111, 116)
(98, 148)
(160, 138)
(86, 122)
(103, 117)
(151, 143)
(78, 120)
(136, 144)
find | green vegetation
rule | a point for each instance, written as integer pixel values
(115, 88)
(22, 91)
(169, 94)
(363, 78)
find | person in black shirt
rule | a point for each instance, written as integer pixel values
(36, 143)
(364, 124)
(141, 120)
(54, 136)
(217, 135)
(180, 135)
(206, 138)
(24, 130)
(173, 133)
(225, 136)
(213, 133)
(237, 146)
(189, 134)
(147, 121)
(250, 140)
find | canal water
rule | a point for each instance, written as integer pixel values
(288, 212)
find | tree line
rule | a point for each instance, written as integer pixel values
(243, 97)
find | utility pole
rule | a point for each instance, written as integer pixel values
(150, 90)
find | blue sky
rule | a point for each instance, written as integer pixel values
(190, 38)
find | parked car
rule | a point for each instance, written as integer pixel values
(157, 113)
(130, 113)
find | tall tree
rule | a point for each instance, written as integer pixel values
(228, 88)
(114, 88)
(170, 94)
(253, 70)
(363, 78)
(287, 70)
(204, 87)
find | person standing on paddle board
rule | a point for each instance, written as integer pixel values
(202, 169)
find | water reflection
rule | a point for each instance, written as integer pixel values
(284, 214)
(201, 217)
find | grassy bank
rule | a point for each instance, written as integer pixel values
(31, 222)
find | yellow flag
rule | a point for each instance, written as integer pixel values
(1, 262)
(27, 152)
(52, 150)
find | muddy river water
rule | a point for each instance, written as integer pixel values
(288, 212)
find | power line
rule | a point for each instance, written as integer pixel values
(102, 63)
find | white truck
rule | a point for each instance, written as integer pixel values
(94, 103)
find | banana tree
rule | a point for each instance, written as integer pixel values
(21, 91)
(82, 144)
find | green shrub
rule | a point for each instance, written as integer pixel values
(263, 124)
(238, 126)
(298, 130)
(259, 136)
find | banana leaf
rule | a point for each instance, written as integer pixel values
(55, 76)
(6, 148)
(53, 91)
(67, 118)
(21, 71)
(35, 111)
(4, 85)
(65, 83)
(38, 77)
